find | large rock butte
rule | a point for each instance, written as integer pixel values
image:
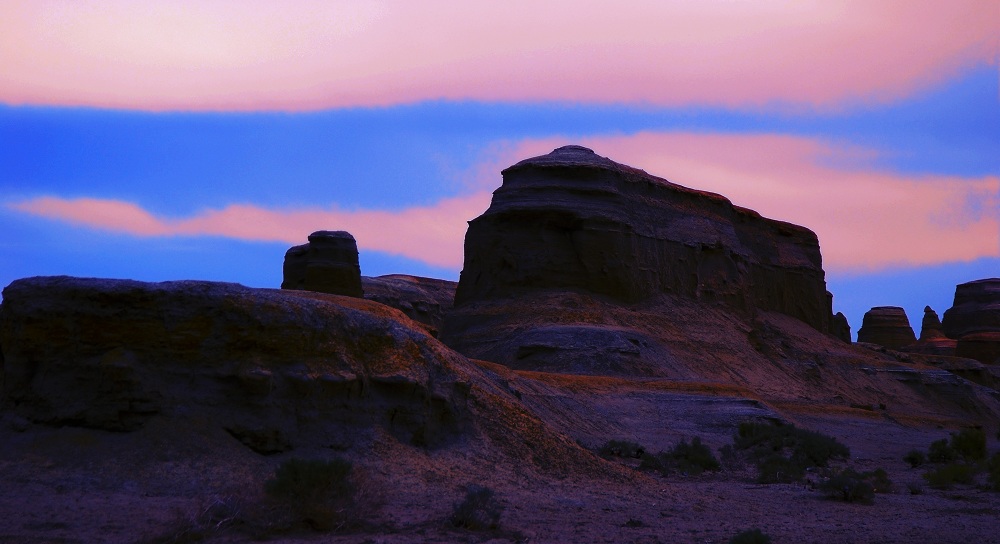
(886, 326)
(974, 320)
(327, 264)
(572, 220)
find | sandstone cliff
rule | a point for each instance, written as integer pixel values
(573, 220)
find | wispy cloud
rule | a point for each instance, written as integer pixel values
(866, 219)
(433, 234)
(314, 54)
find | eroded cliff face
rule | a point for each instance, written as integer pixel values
(572, 220)
(974, 320)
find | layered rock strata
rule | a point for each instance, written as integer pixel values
(572, 220)
(424, 300)
(886, 326)
(277, 369)
(974, 320)
(327, 264)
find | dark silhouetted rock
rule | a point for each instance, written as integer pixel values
(886, 326)
(932, 339)
(275, 368)
(424, 300)
(327, 264)
(575, 221)
(840, 327)
(930, 326)
(974, 320)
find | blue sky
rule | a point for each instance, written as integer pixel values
(149, 194)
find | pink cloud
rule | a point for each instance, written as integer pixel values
(433, 234)
(866, 219)
(313, 54)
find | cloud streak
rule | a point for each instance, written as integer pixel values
(314, 54)
(866, 220)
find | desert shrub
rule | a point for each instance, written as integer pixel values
(970, 444)
(318, 493)
(993, 471)
(915, 458)
(693, 458)
(948, 475)
(915, 488)
(941, 452)
(751, 536)
(784, 452)
(621, 448)
(852, 486)
(478, 511)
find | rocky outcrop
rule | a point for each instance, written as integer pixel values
(840, 328)
(277, 369)
(424, 300)
(932, 339)
(886, 326)
(974, 320)
(575, 221)
(327, 264)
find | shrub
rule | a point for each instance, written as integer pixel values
(993, 470)
(784, 452)
(480, 509)
(915, 488)
(621, 448)
(948, 475)
(915, 458)
(941, 452)
(752, 536)
(693, 458)
(850, 486)
(970, 444)
(319, 493)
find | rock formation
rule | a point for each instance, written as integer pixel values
(886, 326)
(572, 220)
(424, 300)
(277, 369)
(932, 339)
(327, 264)
(974, 320)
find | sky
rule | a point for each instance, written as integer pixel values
(164, 140)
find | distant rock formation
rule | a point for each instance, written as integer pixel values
(275, 368)
(886, 326)
(572, 220)
(974, 320)
(424, 300)
(327, 264)
(932, 338)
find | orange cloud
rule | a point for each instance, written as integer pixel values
(866, 220)
(315, 54)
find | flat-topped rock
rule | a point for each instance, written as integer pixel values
(974, 320)
(573, 220)
(327, 264)
(886, 326)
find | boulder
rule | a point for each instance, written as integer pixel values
(886, 326)
(424, 300)
(327, 264)
(575, 221)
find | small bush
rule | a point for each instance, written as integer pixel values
(915, 488)
(970, 444)
(478, 511)
(621, 448)
(693, 458)
(993, 471)
(915, 458)
(941, 452)
(319, 493)
(948, 475)
(850, 486)
(752, 536)
(784, 452)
